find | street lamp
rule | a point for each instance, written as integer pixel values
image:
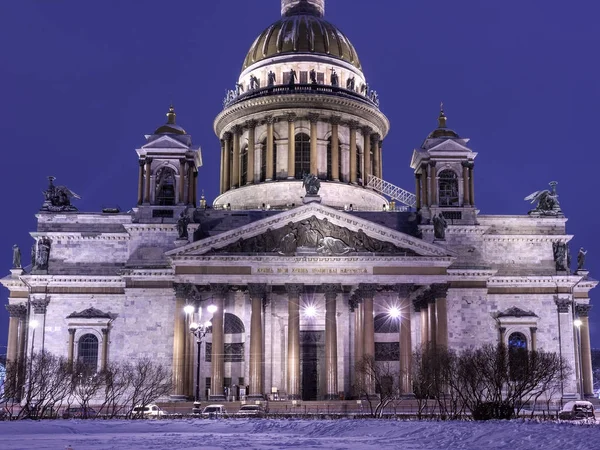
(578, 323)
(199, 330)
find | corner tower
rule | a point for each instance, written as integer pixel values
(301, 105)
(443, 168)
(168, 174)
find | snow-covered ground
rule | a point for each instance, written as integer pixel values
(271, 434)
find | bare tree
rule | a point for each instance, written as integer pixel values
(86, 384)
(383, 377)
(117, 378)
(149, 381)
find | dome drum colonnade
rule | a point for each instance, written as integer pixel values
(282, 132)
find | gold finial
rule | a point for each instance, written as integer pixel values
(171, 115)
(442, 117)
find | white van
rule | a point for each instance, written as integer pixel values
(213, 411)
(148, 411)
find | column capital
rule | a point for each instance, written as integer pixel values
(562, 304)
(236, 130)
(104, 331)
(257, 290)
(353, 302)
(227, 135)
(269, 120)
(367, 290)
(335, 120)
(583, 310)
(465, 164)
(219, 289)
(403, 290)
(375, 137)
(72, 331)
(533, 330)
(142, 162)
(439, 290)
(331, 290)
(294, 289)
(313, 117)
(291, 117)
(432, 163)
(39, 305)
(148, 160)
(366, 130)
(251, 124)
(353, 125)
(502, 329)
(16, 310)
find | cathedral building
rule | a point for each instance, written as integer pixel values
(311, 259)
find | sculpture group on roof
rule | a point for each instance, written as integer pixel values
(547, 202)
(58, 198)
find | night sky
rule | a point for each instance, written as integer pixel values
(81, 82)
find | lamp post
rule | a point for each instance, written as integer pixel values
(199, 330)
(577, 322)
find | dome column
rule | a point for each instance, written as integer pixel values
(380, 150)
(375, 149)
(466, 185)
(335, 149)
(433, 183)
(314, 168)
(353, 128)
(181, 181)
(147, 187)
(226, 162)
(190, 177)
(472, 184)
(251, 151)
(418, 190)
(141, 183)
(235, 182)
(425, 184)
(269, 169)
(291, 146)
(366, 154)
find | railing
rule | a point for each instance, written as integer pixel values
(309, 88)
(392, 191)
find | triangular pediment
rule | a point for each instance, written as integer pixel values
(312, 229)
(449, 145)
(165, 141)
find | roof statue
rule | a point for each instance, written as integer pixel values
(16, 264)
(58, 198)
(311, 183)
(581, 259)
(547, 202)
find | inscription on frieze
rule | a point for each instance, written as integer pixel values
(311, 270)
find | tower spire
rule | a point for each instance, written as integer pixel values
(171, 115)
(293, 7)
(442, 117)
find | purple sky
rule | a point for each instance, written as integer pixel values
(81, 82)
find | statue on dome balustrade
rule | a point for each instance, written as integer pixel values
(350, 83)
(334, 78)
(293, 78)
(254, 83)
(313, 76)
(271, 78)
(311, 184)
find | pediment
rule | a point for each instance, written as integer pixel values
(90, 313)
(312, 229)
(165, 141)
(516, 312)
(449, 145)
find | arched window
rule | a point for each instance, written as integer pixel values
(517, 341)
(87, 352)
(518, 356)
(232, 324)
(244, 167)
(358, 163)
(448, 186)
(165, 186)
(302, 155)
(386, 324)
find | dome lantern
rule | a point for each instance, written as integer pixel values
(293, 7)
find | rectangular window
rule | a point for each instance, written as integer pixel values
(208, 352)
(320, 77)
(303, 77)
(227, 382)
(286, 77)
(233, 352)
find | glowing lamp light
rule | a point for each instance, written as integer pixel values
(310, 311)
(188, 309)
(207, 324)
(212, 308)
(194, 326)
(577, 323)
(33, 324)
(394, 312)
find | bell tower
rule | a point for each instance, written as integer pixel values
(443, 168)
(168, 171)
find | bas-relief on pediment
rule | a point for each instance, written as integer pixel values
(312, 229)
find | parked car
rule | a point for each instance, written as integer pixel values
(578, 409)
(197, 408)
(77, 412)
(251, 411)
(148, 411)
(214, 411)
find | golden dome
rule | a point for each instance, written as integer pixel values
(170, 127)
(442, 131)
(302, 32)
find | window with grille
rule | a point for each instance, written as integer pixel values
(165, 186)
(387, 351)
(233, 352)
(448, 187)
(384, 323)
(321, 77)
(302, 155)
(303, 77)
(87, 352)
(518, 356)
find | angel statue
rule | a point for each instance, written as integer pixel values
(312, 184)
(58, 198)
(547, 202)
(581, 258)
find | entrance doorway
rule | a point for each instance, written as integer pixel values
(312, 355)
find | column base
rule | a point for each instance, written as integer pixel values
(294, 397)
(178, 398)
(255, 397)
(217, 398)
(332, 397)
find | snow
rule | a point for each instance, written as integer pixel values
(263, 434)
